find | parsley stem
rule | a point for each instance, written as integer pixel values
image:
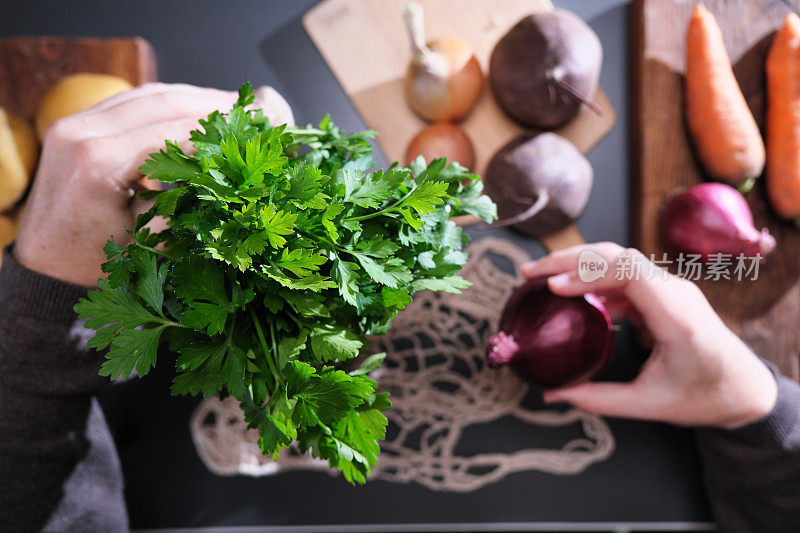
(264, 346)
(373, 215)
(159, 252)
(386, 209)
(274, 342)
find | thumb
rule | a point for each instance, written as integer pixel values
(607, 399)
(274, 106)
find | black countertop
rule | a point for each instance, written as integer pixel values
(650, 482)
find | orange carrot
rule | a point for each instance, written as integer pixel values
(783, 119)
(723, 129)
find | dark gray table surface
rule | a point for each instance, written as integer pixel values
(650, 482)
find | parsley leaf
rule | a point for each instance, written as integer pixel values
(277, 224)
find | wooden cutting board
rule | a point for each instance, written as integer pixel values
(365, 44)
(765, 312)
(29, 66)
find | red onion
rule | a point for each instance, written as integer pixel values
(712, 218)
(552, 340)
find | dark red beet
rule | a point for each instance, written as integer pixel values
(541, 183)
(551, 340)
(545, 67)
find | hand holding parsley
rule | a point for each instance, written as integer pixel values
(284, 252)
(88, 171)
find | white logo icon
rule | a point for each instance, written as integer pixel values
(591, 266)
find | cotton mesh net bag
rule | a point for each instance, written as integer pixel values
(440, 386)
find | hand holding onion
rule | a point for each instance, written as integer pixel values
(698, 374)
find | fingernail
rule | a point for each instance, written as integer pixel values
(528, 268)
(559, 281)
(550, 396)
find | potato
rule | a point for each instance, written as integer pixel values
(25, 139)
(73, 94)
(8, 232)
(18, 153)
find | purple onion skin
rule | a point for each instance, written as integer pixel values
(550, 340)
(712, 218)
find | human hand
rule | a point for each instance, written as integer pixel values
(84, 187)
(698, 374)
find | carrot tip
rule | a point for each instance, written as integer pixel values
(699, 10)
(791, 23)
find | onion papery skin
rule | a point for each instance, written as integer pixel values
(442, 140)
(552, 341)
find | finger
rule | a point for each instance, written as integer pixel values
(135, 92)
(133, 147)
(607, 399)
(669, 306)
(155, 107)
(553, 263)
(617, 305)
(147, 89)
(567, 259)
(275, 106)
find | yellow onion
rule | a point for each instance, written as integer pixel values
(442, 140)
(444, 78)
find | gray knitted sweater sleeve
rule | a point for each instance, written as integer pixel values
(53, 435)
(752, 474)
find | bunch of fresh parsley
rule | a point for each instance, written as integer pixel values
(283, 253)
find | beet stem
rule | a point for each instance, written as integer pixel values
(534, 209)
(577, 94)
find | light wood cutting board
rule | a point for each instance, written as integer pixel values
(765, 312)
(366, 46)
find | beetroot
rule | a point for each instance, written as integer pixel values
(551, 340)
(540, 183)
(712, 218)
(545, 67)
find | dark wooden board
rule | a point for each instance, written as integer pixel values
(29, 66)
(765, 312)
